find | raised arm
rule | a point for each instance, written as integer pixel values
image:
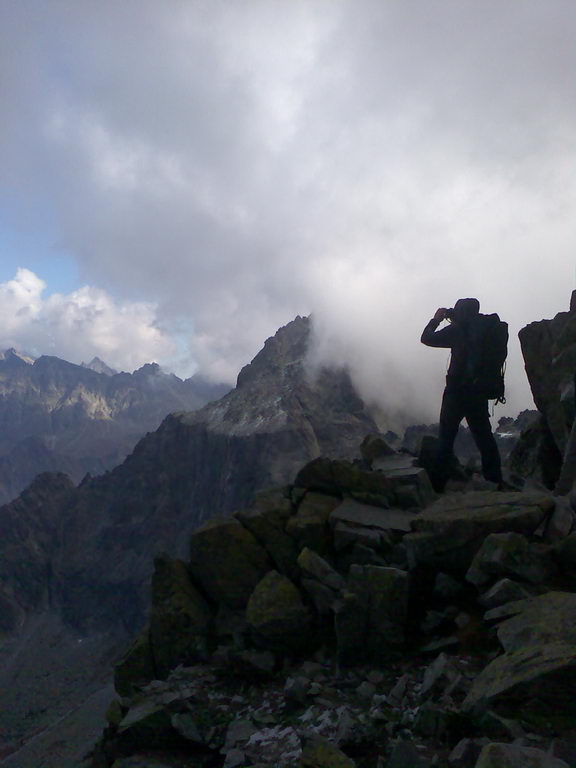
(433, 338)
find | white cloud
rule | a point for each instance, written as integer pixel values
(236, 164)
(80, 325)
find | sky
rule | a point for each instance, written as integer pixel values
(179, 179)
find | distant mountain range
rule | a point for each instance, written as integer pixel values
(79, 419)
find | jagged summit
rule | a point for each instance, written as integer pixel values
(98, 365)
(15, 356)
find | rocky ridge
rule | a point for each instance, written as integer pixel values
(351, 619)
(92, 546)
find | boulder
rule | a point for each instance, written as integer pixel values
(340, 478)
(277, 615)
(540, 620)
(227, 561)
(309, 526)
(136, 668)
(319, 753)
(180, 620)
(148, 724)
(266, 519)
(516, 756)
(549, 350)
(535, 684)
(375, 446)
(448, 534)
(377, 519)
(511, 555)
(371, 619)
(315, 567)
(504, 591)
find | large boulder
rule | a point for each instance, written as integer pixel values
(516, 756)
(540, 620)
(180, 620)
(309, 526)
(266, 519)
(227, 561)
(511, 555)
(277, 616)
(448, 534)
(371, 617)
(535, 678)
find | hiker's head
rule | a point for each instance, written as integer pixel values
(464, 310)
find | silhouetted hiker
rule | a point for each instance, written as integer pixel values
(470, 383)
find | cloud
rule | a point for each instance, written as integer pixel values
(79, 326)
(236, 164)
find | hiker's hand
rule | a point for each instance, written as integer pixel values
(440, 314)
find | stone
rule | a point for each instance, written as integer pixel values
(387, 464)
(277, 616)
(448, 534)
(439, 675)
(565, 749)
(504, 591)
(315, 567)
(448, 588)
(319, 753)
(375, 446)
(466, 753)
(355, 514)
(540, 620)
(564, 553)
(379, 613)
(405, 755)
(227, 561)
(431, 721)
(561, 520)
(512, 555)
(309, 526)
(136, 668)
(142, 761)
(148, 724)
(180, 619)
(535, 684)
(411, 487)
(296, 689)
(350, 620)
(114, 713)
(346, 536)
(323, 598)
(266, 519)
(238, 731)
(234, 759)
(338, 478)
(366, 690)
(515, 756)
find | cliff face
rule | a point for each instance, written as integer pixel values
(77, 419)
(195, 466)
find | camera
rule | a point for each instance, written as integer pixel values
(449, 314)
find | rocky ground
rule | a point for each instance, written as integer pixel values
(353, 619)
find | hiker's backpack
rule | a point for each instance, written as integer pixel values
(487, 351)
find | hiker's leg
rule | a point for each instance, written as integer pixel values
(451, 414)
(478, 419)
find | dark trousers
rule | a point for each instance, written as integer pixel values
(458, 404)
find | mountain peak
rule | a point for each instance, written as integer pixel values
(99, 366)
(13, 355)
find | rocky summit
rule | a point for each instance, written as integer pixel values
(93, 546)
(312, 603)
(352, 618)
